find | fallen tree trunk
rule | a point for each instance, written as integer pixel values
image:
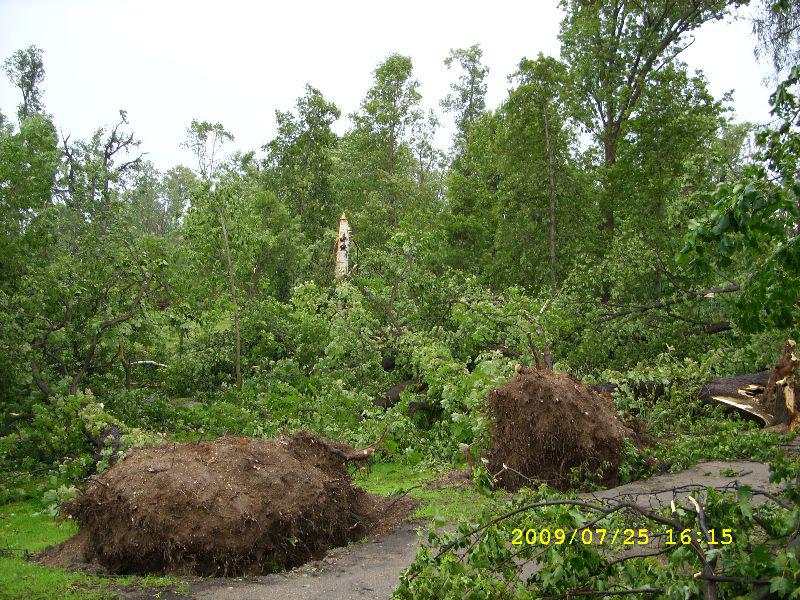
(741, 392)
(392, 396)
(770, 396)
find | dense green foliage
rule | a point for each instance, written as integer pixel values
(607, 216)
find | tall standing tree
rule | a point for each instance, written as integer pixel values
(614, 49)
(301, 161)
(472, 179)
(377, 162)
(428, 157)
(206, 141)
(96, 275)
(29, 163)
(547, 77)
(25, 69)
(177, 184)
(538, 191)
(467, 100)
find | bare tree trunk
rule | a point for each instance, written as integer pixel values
(126, 366)
(232, 281)
(610, 158)
(552, 182)
(343, 248)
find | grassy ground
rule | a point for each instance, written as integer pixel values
(448, 503)
(23, 530)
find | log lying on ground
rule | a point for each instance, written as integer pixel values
(741, 392)
(770, 396)
(392, 395)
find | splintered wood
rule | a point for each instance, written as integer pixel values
(770, 396)
(343, 247)
(780, 394)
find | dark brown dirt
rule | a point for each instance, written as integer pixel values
(543, 424)
(227, 507)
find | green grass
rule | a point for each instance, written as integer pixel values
(451, 505)
(23, 530)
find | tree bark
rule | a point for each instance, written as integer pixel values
(740, 392)
(771, 396)
(343, 248)
(781, 392)
(126, 366)
(552, 190)
(232, 282)
(610, 156)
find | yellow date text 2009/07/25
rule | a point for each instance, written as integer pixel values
(628, 537)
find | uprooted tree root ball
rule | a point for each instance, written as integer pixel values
(544, 424)
(223, 507)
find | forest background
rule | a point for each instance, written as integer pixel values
(608, 219)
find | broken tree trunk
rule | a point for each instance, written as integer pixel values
(769, 396)
(781, 393)
(741, 393)
(343, 247)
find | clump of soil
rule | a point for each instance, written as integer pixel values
(225, 507)
(544, 424)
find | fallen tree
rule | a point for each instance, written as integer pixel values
(770, 396)
(740, 392)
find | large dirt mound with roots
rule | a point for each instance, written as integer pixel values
(224, 507)
(543, 424)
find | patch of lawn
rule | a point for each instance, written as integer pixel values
(23, 530)
(449, 504)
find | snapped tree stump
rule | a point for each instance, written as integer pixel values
(780, 395)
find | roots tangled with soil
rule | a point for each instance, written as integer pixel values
(225, 507)
(545, 424)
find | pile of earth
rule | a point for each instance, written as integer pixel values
(226, 507)
(545, 424)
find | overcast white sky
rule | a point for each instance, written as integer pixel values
(169, 61)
